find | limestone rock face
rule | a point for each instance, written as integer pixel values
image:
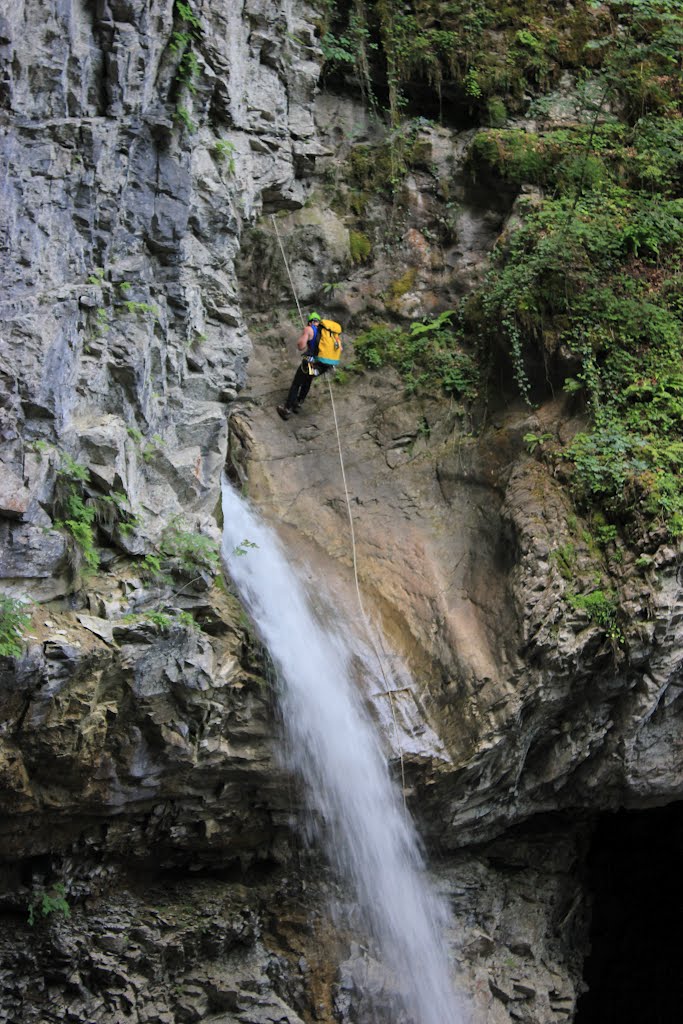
(150, 851)
(122, 334)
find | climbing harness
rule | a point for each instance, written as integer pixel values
(366, 622)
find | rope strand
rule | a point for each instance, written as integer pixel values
(366, 622)
(284, 258)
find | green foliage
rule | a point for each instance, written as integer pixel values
(532, 441)
(48, 903)
(472, 84)
(487, 51)
(496, 112)
(151, 568)
(102, 324)
(606, 533)
(189, 70)
(113, 511)
(154, 445)
(15, 616)
(430, 355)
(187, 15)
(351, 47)
(141, 308)
(187, 620)
(159, 619)
(80, 525)
(565, 559)
(78, 511)
(71, 470)
(193, 551)
(482, 50)
(602, 610)
(360, 247)
(380, 169)
(186, 34)
(592, 267)
(73, 514)
(183, 116)
(339, 51)
(243, 547)
(225, 150)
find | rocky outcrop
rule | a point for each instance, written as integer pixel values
(153, 166)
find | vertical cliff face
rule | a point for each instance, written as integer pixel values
(144, 147)
(136, 141)
(135, 144)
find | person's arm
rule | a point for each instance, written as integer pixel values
(304, 338)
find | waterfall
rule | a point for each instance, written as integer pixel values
(335, 749)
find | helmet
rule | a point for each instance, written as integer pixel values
(314, 316)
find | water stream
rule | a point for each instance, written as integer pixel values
(335, 749)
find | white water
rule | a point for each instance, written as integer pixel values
(334, 747)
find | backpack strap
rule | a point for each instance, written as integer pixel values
(314, 342)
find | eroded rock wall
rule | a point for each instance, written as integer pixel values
(143, 288)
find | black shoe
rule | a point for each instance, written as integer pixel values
(283, 412)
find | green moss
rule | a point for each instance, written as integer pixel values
(360, 247)
(496, 112)
(403, 284)
(565, 559)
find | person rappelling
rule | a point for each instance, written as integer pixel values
(321, 345)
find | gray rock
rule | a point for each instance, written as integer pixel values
(14, 496)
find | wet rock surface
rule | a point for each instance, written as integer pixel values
(148, 827)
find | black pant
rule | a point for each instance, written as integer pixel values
(301, 384)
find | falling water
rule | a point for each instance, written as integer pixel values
(334, 747)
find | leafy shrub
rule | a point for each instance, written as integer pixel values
(78, 510)
(602, 609)
(594, 268)
(48, 903)
(74, 515)
(225, 150)
(14, 619)
(194, 551)
(429, 355)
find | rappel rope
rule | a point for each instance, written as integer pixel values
(364, 617)
(284, 259)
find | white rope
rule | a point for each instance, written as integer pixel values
(284, 258)
(364, 617)
(366, 622)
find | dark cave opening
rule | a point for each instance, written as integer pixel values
(635, 874)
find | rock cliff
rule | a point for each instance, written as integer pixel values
(152, 866)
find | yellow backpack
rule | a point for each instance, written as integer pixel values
(329, 346)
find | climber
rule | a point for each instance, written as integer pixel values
(320, 340)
